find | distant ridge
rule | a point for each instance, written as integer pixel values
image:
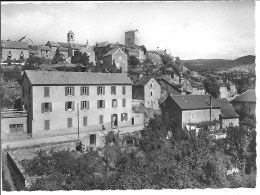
(217, 64)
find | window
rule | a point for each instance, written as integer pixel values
(69, 91)
(85, 121)
(29, 90)
(21, 55)
(101, 90)
(84, 105)
(192, 115)
(69, 106)
(47, 125)
(113, 90)
(101, 104)
(151, 93)
(123, 103)
(151, 85)
(46, 107)
(46, 91)
(123, 90)
(9, 54)
(101, 119)
(69, 122)
(84, 90)
(114, 103)
(124, 117)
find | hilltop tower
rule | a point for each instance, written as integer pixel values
(70, 37)
(132, 37)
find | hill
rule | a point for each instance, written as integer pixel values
(217, 64)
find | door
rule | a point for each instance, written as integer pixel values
(114, 121)
(16, 128)
(92, 139)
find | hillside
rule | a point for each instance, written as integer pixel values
(217, 64)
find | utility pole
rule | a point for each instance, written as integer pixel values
(78, 117)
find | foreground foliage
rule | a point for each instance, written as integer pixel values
(185, 160)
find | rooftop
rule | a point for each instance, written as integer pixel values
(142, 81)
(248, 96)
(194, 102)
(227, 110)
(76, 78)
(14, 45)
(112, 51)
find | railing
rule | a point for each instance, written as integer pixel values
(12, 113)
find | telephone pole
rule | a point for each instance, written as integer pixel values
(78, 117)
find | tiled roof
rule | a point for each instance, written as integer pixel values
(194, 102)
(14, 45)
(142, 81)
(61, 44)
(227, 110)
(111, 51)
(54, 44)
(45, 48)
(27, 40)
(63, 49)
(132, 31)
(103, 44)
(248, 96)
(75, 78)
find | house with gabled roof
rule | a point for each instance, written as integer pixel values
(116, 57)
(53, 99)
(228, 116)
(148, 91)
(246, 101)
(14, 50)
(185, 109)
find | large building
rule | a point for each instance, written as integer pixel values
(52, 98)
(184, 109)
(147, 90)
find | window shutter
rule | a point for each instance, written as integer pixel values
(121, 117)
(81, 91)
(66, 106)
(81, 105)
(103, 103)
(97, 90)
(111, 90)
(87, 90)
(87, 104)
(73, 90)
(104, 90)
(66, 91)
(115, 90)
(98, 104)
(126, 116)
(50, 107)
(73, 105)
(42, 107)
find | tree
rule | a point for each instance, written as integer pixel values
(59, 57)
(34, 61)
(133, 61)
(212, 87)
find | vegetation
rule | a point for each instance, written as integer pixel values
(157, 161)
(212, 87)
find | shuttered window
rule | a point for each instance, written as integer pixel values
(101, 90)
(84, 105)
(123, 102)
(69, 122)
(47, 125)
(113, 90)
(101, 119)
(101, 104)
(69, 91)
(114, 103)
(46, 107)
(124, 117)
(46, 91)
(84, 90)
(69, 106)
(123, 90)
(85, 121)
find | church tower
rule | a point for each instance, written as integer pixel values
(70, 37)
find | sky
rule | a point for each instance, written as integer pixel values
(190, 30)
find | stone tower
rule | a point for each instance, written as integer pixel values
(70, 37)
(132, 37)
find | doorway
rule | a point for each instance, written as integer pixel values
(92, 139)
(114, 121)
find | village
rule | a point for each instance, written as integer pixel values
(77, 97)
